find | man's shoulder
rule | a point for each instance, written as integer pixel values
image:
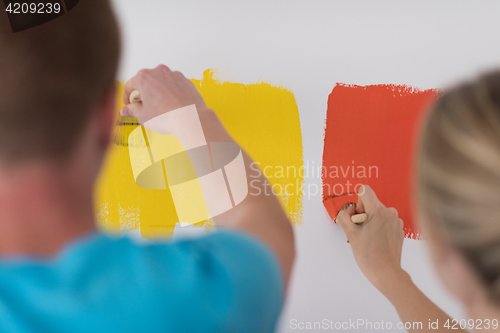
(229, 279)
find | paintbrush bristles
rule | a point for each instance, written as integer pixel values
(124, 127)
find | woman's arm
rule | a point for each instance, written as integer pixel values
(377, 246)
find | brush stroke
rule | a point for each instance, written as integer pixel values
(120, 204)
(263, 119)
(370, 138)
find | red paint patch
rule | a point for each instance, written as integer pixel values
(370, 138)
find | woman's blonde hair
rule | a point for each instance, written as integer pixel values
(459, 173)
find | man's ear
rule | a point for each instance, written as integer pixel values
(107, 116)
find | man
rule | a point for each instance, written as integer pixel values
(57, 273)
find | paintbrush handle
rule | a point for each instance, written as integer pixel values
(135, 96)
(359, 218)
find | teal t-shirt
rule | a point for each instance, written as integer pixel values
(223, 282)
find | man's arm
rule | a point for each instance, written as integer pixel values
(259, 215)
(377, 245)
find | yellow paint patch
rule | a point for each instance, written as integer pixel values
(262, 118)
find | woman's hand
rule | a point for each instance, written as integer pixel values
(376, 243)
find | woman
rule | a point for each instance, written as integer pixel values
(458, 191)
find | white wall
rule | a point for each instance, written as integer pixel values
(308, 46)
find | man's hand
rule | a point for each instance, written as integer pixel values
(376, 243)
(162, 90)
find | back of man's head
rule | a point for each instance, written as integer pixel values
(51, 78)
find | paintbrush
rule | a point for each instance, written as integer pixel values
(356, 218)
(359, 218)
(125, 125)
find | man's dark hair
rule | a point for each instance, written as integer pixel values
(51, 77)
